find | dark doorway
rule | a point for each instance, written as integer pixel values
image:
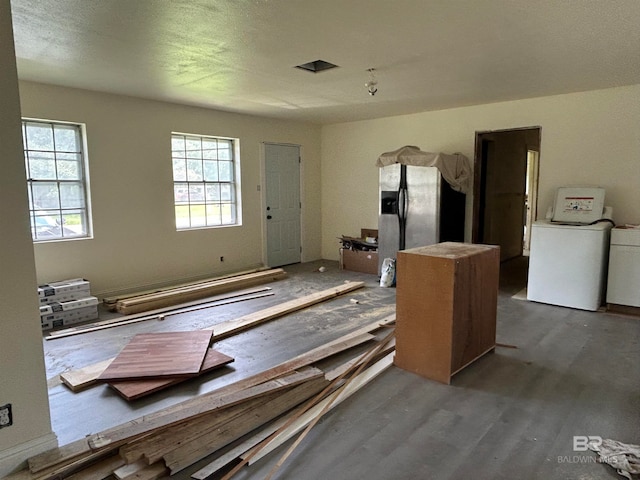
(505, 190)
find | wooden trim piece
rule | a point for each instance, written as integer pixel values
(82, 378)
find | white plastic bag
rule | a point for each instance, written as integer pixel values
(388, 273)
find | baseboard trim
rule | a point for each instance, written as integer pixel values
(15, 458)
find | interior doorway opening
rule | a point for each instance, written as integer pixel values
(506, 167)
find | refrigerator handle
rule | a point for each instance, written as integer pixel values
(402, 207)
(402, 217)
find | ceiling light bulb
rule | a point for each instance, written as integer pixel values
(372, 85)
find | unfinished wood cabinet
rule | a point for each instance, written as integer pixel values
(446, 304)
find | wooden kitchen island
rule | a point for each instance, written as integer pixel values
(446, 305)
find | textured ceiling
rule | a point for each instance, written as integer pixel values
(239, 55)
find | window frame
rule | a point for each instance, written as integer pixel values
(83, 181)
(200, 186)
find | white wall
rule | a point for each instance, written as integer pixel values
(135, 241)
(587, 138)
(22, 378)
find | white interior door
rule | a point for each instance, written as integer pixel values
(282, 169)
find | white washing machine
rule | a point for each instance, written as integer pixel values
(568, 264)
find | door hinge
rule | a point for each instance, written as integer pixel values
(299, 159)
(300, 248)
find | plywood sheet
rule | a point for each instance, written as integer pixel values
(133, 389)
(163, 354)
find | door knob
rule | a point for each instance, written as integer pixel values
(268, 217)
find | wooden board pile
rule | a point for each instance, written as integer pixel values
(174, 296)
(85, 377)
(164, 312)
(151, 362)
(263, 410)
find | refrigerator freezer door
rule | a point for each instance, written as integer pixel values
(388, 226)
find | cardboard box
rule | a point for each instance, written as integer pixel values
(56, 307)
(69, 317)
(359, 261)
(64, 290)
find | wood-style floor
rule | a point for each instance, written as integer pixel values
(512, 414)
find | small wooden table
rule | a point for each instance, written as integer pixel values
(446, 305)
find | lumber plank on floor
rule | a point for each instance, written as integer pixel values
(232, 423)
(164, 299)
(99, 470)
(156, 314)
(151, 448)
(80, 379)
(85, 377)
(150, 472)
(187, 454)
(241, 449)
(323, 351)
(54, 456)
(113, 299)
(160, 354)
(190, 409)
(173, 435)
(129, 469)
(333, 400)
(135, 389)
(232, 455)
(213, 285)
(232, 327)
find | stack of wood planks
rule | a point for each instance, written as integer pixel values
(85, 377)
(262, 410)
(164, 312)
(173, 296)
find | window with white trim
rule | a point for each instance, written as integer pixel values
(204, 181)
(57, 180)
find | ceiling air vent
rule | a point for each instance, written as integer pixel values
(317, 66)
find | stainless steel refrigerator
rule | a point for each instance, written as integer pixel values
(417, 207)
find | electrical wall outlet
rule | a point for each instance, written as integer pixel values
(6, 416)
